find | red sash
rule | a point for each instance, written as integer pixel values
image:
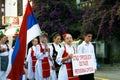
(69, 68)
(34, 59)
(45, 65)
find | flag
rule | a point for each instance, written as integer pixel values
(29, 30)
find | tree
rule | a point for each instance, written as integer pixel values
(103, 18)
(58, 16)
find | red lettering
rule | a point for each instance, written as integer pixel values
(85, 57)
(83, 63)
(84, 70)
(76, 58)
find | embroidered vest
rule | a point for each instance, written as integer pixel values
(45, 65)
(57, 66)
(69, 67)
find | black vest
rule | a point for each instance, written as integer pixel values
(55, 55)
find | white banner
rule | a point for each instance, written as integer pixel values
(83, 64)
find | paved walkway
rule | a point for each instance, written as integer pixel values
(108, 72)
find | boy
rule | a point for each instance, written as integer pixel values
(84, 48)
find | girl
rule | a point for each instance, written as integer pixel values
(31, 60)
(64, 59)
(42, 68)
(54, 48)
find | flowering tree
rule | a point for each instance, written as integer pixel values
(58, 15)
(103, 18)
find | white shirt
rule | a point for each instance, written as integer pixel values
(63, 75)
(38, 67)
(69, 50)
(6, 53)
(85, 48)
(57, 47)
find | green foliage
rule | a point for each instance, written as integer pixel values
(116, 56)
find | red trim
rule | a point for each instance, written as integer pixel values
(41, 49)
(69, 67)
(65, 54)
(45, 65)
(34, 59)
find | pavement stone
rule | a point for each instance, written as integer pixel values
(108, 72)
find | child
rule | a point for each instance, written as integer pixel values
(54, 48)
(64, 59)
(31, 60)
(42, 68)
(84, 48)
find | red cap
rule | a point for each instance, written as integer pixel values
(64, 35)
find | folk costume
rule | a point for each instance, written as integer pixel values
(65, 72)
(54, 48)
(42, 68)
(31, 59)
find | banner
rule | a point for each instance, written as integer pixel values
(83, 64)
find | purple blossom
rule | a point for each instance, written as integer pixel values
(43, 26)
(111, 21)
(114, 11)
(55, 14)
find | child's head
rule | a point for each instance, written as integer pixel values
(3, 38)
(88, 36)
(68, 38)
(57, 38)
(44, 37)
(35, 41)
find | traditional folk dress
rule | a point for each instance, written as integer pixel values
(31, 59)
(65, 72)
(54, 48)
(85, 48)
(42, 68)
(4, 60)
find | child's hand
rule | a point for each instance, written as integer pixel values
(70, 56)
(26, 65)
(3, 49)
(53, 67)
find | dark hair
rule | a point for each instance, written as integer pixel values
(1, 36)
(88, 32)
(56, 35)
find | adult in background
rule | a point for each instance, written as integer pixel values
(84, 48)
(4, 57)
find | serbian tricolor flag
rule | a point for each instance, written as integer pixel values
(28, 31)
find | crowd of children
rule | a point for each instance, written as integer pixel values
(50, 61)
